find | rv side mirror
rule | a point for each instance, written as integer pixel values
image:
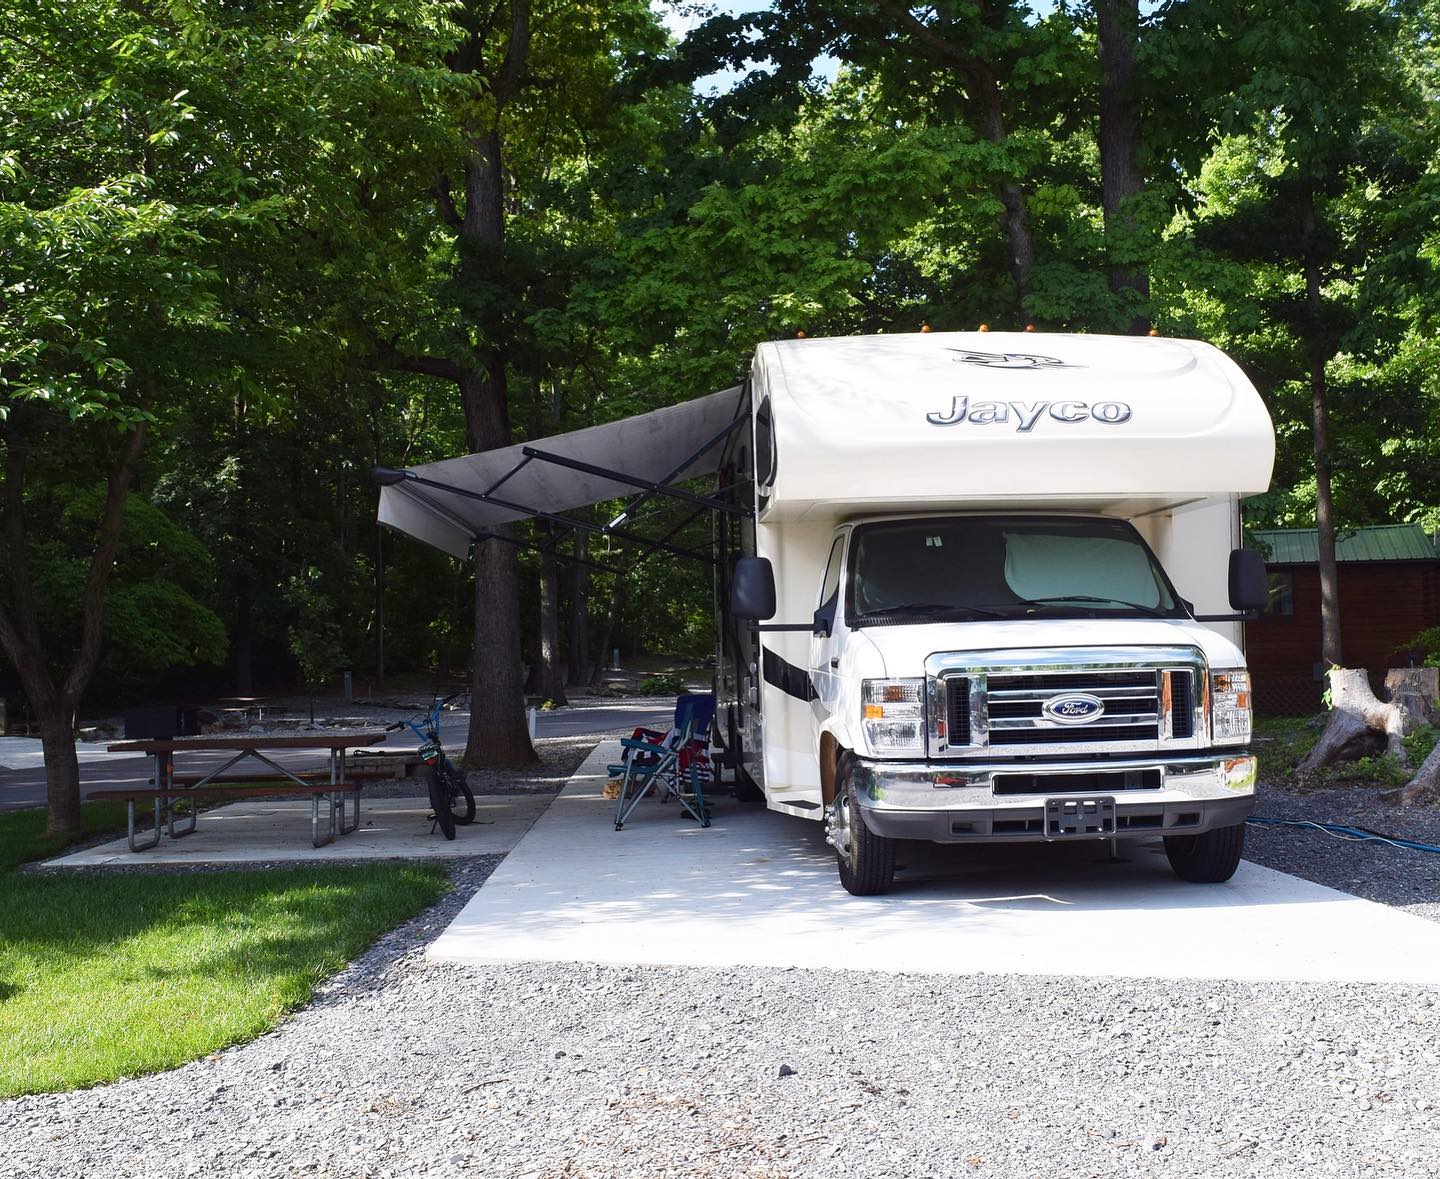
(752, 590)
(821, 623)
(1249, 582)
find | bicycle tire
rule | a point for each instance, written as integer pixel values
(440, 801)
(462, 798)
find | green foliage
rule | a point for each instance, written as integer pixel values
(1280, 742)
(1427, 645)
(662, 684)
(223, 219)
(1382, 769)
(315, 633)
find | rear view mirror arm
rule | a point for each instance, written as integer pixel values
(1248, 616)
(793, 626)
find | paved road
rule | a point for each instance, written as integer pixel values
(24, 786)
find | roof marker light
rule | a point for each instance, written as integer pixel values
(984, 327)
(1029, 327)
(924, 327)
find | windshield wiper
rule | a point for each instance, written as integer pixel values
(1151, 611)
(926, 609)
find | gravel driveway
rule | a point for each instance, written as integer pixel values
(404, 1068)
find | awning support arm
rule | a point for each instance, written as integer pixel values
(651, 486)
(510, 474)
(530, 546)
(737, 421)
(553, 517)
(695, 515)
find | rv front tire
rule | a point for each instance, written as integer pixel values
(866, 860)
(1209, 858)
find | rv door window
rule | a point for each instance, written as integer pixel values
(831, 582)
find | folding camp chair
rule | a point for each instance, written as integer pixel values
(669, 760)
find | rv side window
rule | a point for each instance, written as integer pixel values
(830, 586)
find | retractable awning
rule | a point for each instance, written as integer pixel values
(453, 503)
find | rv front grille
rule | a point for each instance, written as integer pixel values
(958, 707)
(1017, 715)
(1182, 703)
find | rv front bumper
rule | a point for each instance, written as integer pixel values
(1024, 801)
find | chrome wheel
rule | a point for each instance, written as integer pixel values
(838, 831)
(866, 860)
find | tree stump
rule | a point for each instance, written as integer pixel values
(1361, 724)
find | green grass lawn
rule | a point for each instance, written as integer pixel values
(108, 976)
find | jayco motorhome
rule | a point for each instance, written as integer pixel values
(970, 586)
(987, 591)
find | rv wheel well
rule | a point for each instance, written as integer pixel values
(829, 759)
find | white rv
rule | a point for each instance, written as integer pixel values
(988, 592)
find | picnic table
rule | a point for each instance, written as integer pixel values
(167, 787)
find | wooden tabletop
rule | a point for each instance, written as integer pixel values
(250, 741)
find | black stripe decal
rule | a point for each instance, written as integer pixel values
(792, 680)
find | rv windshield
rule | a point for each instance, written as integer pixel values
(953, 568)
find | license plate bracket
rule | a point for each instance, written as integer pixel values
(1079, 818)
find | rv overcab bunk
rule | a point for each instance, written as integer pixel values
(991, 590)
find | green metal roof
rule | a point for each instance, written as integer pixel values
(1381, 542)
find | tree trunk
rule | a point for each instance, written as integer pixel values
(62, 767)
(1118, 25)
(1359, 722)
(607, 632)
(551, 679)
(498, 733)
(1318, 353)
(577, 638)
(1425, 785)
(979, 81)
(1014, 219)
(244, 646)
(20, 635)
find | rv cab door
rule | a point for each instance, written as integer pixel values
(825, 642)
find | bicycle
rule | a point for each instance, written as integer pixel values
(450, 795)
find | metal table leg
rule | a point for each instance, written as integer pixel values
(130, 819)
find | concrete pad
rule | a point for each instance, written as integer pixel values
(264, 830)
(759, 888)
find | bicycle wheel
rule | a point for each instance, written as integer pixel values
(462, 798)
(440, 801)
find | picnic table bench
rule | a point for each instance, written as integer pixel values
(167, 788)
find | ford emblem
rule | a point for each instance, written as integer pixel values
(1074, 708)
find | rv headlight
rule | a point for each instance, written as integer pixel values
(893, 715)
(1230, 706)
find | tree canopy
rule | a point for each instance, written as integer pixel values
(249, 250)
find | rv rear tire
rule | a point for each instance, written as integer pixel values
(1209, 858)
(866, 861)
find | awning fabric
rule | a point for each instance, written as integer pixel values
(666, 445)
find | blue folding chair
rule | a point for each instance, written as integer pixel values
(668, 760)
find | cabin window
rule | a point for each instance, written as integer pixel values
(1282, 595)
(764, 446)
